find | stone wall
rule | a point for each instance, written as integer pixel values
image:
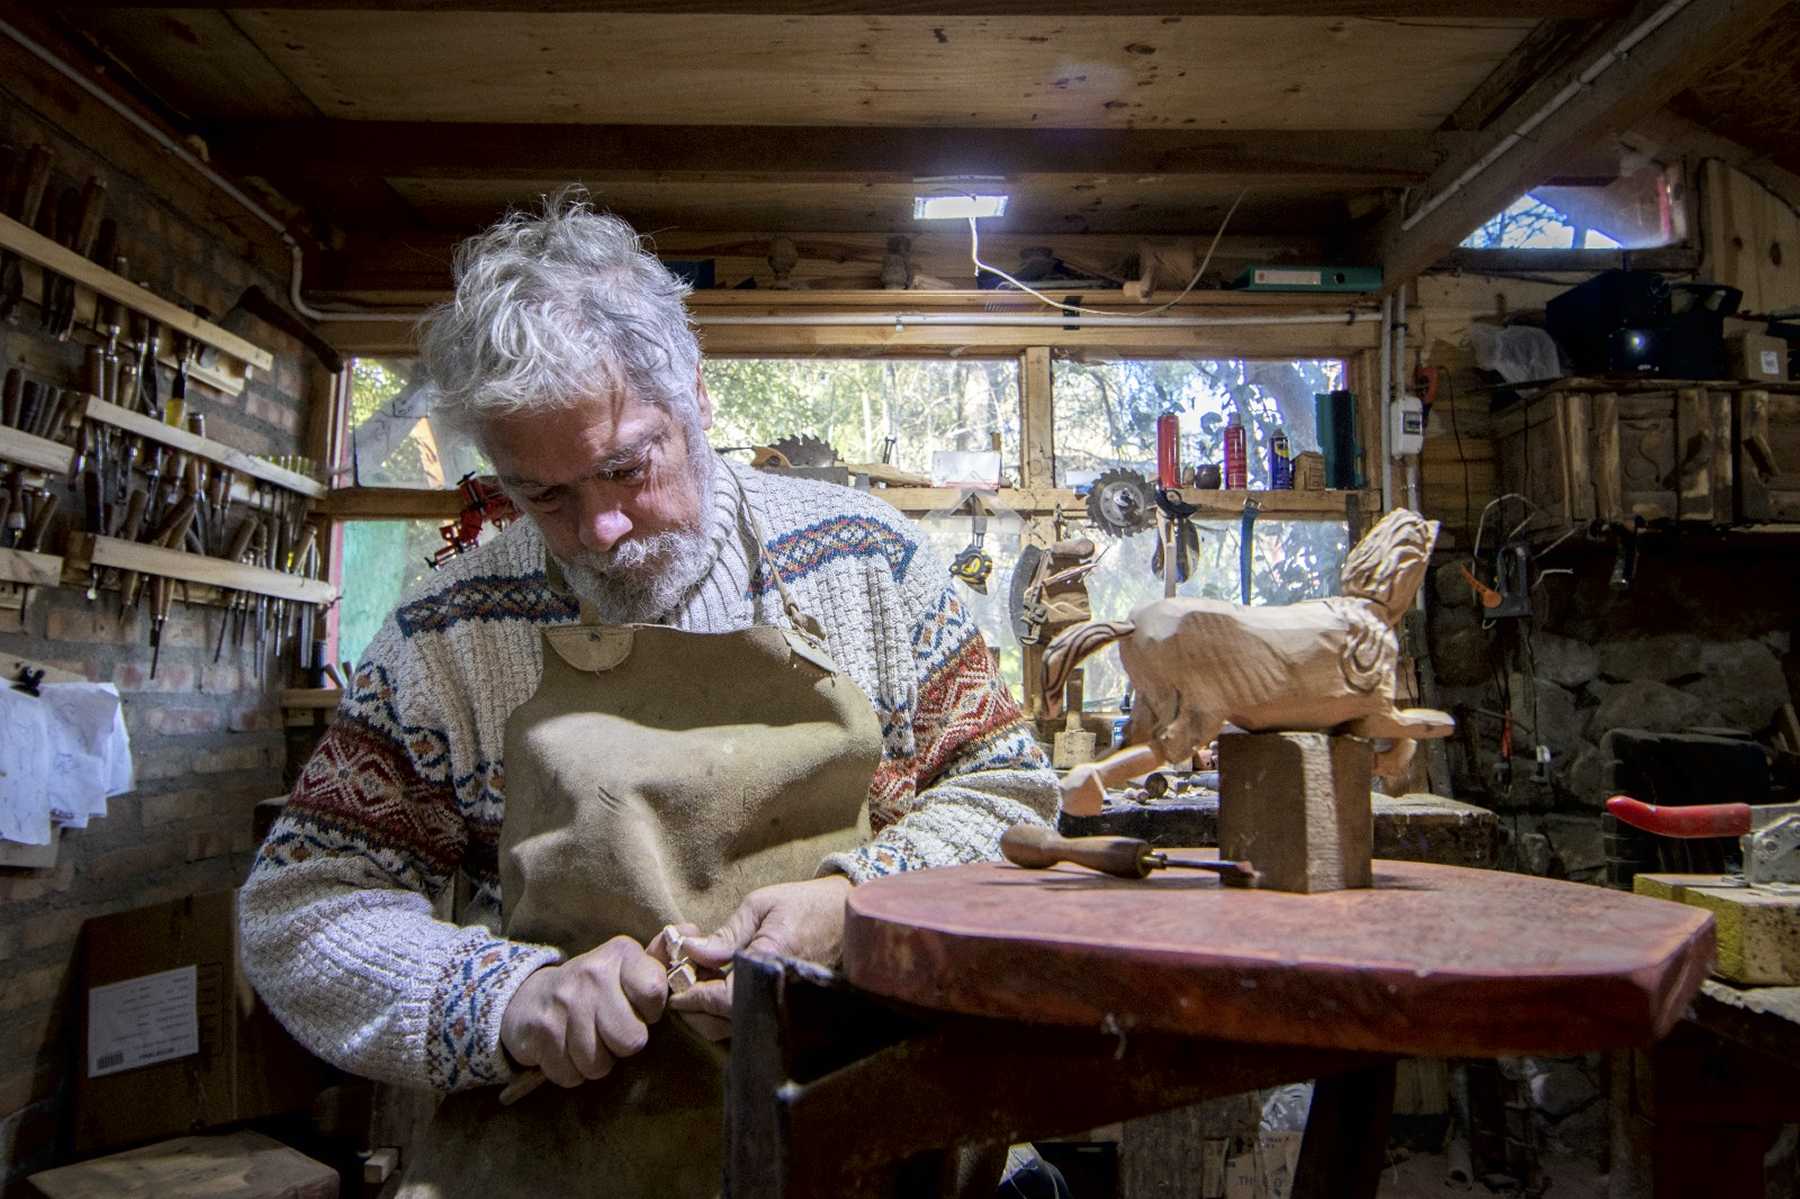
(1703, 640)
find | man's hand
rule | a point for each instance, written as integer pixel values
(796, 920)
(574, 1020)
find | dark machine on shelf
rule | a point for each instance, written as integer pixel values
(1640, 323)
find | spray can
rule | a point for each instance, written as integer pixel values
(1236, 466)
(1168, 450)
(1281, 464)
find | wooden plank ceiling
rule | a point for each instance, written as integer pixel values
(421, 120)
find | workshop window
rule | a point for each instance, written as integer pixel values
(392, 440)
(855, 405)
(1641, 209)
(383, 560)
(1106, 411)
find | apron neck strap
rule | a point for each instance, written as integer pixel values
(766, 561)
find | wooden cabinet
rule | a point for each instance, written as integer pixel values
(1699, 453)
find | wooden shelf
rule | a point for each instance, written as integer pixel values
(30, 244)
(206, 447)
(86, 548)
(312, 697)
(32, 570)
(37, 453)
(403, 503)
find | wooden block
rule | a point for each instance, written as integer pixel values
(379, 1164)
(239, 1165)
(1758, 928)
(1297, 805)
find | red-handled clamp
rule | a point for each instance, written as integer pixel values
(1701, 820)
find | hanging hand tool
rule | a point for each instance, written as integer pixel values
(11, 394)
(109, 316)
(87, 230)
(1247, 548)
(33, 541)
(28, 407)
(240, 545)
(23, 204)
(974, 565)
(59, 226)
(1178, 534)
(130, 528)
(1037, 847)
(162, 589)
(1768, 834)
(93, 515)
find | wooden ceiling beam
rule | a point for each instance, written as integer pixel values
(1448, 10)
(827, 154)
(1458, 197)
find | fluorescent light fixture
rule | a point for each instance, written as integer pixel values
(957, 207)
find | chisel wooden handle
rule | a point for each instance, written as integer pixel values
(32, 185)
(11, 395)
(1697, 820)
(1035, 847)
(40, 522)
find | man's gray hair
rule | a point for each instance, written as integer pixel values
(552, 307)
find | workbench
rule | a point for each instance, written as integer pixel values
(985, 1004)
(1695, 1114)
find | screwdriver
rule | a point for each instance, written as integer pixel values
(1035, 847)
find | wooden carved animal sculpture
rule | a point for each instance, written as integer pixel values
(1318, 666)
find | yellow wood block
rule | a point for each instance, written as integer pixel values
(1758, 928)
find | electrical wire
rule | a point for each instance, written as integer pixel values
(975, 257)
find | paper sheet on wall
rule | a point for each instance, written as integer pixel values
(24, 768)
(143, 1020)
(90, 750)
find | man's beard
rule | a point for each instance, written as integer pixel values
(643, 579)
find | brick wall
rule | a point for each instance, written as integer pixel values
(206, 737)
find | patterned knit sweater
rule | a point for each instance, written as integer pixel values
(344, 927)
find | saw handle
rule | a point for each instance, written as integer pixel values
(1037, 847)
(1700, 820)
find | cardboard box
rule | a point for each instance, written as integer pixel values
(1757, 357)
(225, 1060)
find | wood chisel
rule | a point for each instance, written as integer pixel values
(1036, 847)
(23, 205)
(162, 588)
(11, 393)
(33, 541)
(130, 528)
(240, 545)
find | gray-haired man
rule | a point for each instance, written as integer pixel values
(680, 696)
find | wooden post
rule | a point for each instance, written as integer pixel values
(1297, 805)
(1609, 500)
(1693, 455)
(1037, 420)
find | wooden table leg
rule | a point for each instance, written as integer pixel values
(1345, 1146)
(829, 1092)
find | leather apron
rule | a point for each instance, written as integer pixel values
(656, 777)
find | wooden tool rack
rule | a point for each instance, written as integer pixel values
(86, 550)
(227, 372)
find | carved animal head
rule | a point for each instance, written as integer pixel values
(1388, 565)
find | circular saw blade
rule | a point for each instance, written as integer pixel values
(806, 450)
(1122, 503)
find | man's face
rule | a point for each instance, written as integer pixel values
(620, 490)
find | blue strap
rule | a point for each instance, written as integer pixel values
(1246, 548)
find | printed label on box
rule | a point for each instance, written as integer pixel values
(1288, 278)
(1771, 363)
(142, 1021)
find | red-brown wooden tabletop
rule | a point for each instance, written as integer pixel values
(1433, 960)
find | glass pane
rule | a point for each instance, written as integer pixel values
(1106, 411)
(393, 441)
(383, 561)
(856, 404)
(1639, 210)
(1292, 560)
(949, 536)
